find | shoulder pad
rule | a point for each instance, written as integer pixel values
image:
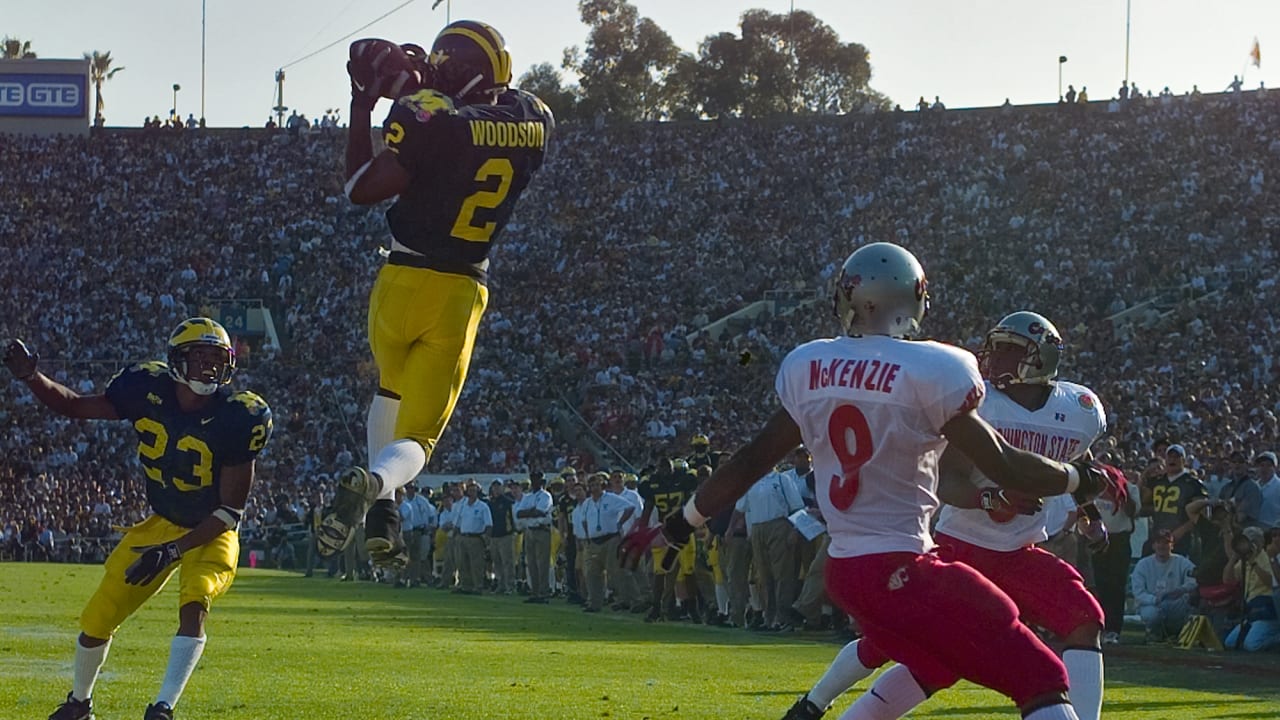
(252, 402)
(425, 103)
(150, 368)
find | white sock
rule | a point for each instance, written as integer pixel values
(722, 599)
(398, 464)
(891, 696)
(843, 673)
(1084, 671)
(184, 653)
(87, 664)
(380, 431)
(1062, 711)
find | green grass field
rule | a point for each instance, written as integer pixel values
(282, 646)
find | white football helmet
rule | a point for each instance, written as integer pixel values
(882, 290)
(1024, 347)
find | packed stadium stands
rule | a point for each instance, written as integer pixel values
(1147, 234)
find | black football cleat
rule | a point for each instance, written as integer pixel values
(382, 536)
(804, 709)
(357, 489)
(158, 711)
(73, 709)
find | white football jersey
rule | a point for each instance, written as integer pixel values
(1063, 429)
(871, 411)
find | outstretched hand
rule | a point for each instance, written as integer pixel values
(20, 360)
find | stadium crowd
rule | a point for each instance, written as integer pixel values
(631, 243)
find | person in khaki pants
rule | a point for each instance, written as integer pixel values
(533, 510)
(600, 515)
(774, 542)
(474, 525)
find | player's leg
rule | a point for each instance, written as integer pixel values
(855, 661)
(111, 604)
(207, 572)
(945, 621)
(1050, 593)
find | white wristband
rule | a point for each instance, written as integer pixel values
(1073, 479)
(692, 516)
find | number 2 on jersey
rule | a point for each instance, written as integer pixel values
(464, 227)
(847, 426)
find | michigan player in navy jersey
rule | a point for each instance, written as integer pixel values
(197, 440)
(460, 149)
(666, 489)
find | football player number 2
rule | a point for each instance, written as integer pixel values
(850, 438)
(464, 227)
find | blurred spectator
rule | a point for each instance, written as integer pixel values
(1162, 584)
(1249, 564)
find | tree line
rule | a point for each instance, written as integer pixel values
(776, 64)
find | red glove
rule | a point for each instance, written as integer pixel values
(674, 534)
(1004, 505)
(1100, 479)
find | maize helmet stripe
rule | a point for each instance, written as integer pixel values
(499, 60)
(200, 330)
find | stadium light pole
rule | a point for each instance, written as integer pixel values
(1128, 6)
(1062, 60)
(176, 88)
(202, 19)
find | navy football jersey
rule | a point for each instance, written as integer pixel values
(182, 454)
(668, 491)
(468, 165)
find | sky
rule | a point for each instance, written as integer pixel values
(967, 52)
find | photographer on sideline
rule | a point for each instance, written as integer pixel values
(1247, 563)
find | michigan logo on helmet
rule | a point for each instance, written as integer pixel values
(469, 59)
(882, 290)
(204, 374)
(1024, 347)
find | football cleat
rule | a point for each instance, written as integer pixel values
(804, 709)
(158, 711)
(73, 709)
(382, 535)
(357, 489)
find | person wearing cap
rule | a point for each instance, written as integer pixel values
(534, 510)
(1162, 584)
(446, 536)
(1269, 514)
(1248, 564)
(1240, 496)
(1175, 502)
(419, 520)
(566, 503)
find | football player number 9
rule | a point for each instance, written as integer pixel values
(464, 227)
(850, 438)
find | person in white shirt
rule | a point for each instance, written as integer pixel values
(601, 516)
(1001, 533)
(1162, 584)
(775, 545)
(418, 535)
(1269, 515)
(475, 520)
(877, 410)
(533, 511)
(628, 583)
(446, 537)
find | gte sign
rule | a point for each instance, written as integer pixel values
(39, 95)
(42, 95)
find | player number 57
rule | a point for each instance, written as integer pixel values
(850, 438)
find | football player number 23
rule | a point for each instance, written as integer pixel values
(464, 227)
(197, 449)
(850, 438)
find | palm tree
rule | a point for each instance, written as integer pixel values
(15, 49)
(100, 71)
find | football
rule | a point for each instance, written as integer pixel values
(381, 67)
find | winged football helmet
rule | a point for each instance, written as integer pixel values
(196, 333)
(469, 59)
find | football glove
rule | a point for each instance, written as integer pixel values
(1003, 505)
(152, 560)
(1099, 479)
(20, 360)
(380, 68)
(674, 532)
(1091, 528)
